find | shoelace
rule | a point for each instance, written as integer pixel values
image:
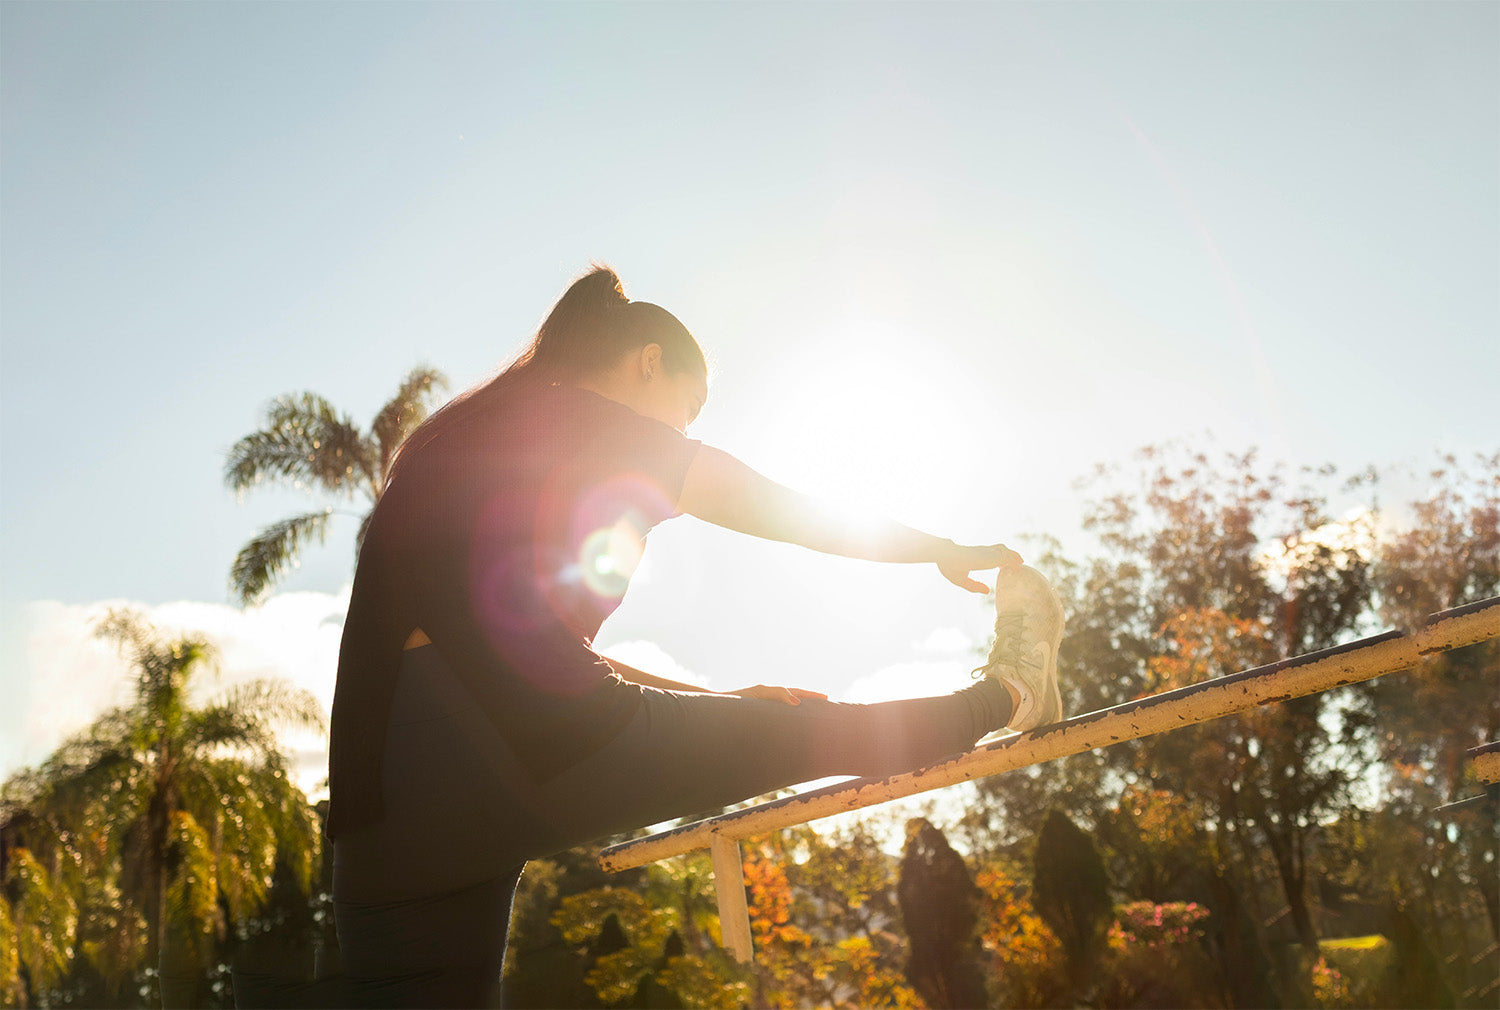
(1009, 628)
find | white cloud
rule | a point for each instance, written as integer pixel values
(946, 642)
(917, 678)
(68, 676)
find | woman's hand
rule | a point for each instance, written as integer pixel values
(786, 695)
(957, 562)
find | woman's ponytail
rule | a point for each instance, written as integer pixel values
(583, 332)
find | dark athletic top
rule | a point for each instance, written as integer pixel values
(509, 542)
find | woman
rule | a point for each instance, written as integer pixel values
(474, 727)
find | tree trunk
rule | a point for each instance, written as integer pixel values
(1292, 886)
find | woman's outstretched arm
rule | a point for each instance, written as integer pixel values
(722, 490)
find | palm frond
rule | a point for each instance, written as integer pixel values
(158, 656)
(111, 729)
(274, 702)
(401, 415)
(164, 664)
(43, 917)
(257, 816)
(10, 956)
(125, 627)
(245, 718)
(192, 907)
(114, 932)
(110, 785)
(266, 558)
(248, 852)
(288, 816)
(220, 726)
(19, 791)
(305, 441)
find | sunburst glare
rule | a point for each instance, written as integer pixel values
(872, 417)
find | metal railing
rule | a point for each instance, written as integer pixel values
(1352, 663)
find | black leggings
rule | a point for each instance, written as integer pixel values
(422, 899)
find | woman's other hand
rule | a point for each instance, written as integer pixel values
(785, 695)
(956, 562)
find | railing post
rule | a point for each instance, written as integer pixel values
(729, 884)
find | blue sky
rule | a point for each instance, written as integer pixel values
(945, 258)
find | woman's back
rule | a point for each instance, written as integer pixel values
(508, 540)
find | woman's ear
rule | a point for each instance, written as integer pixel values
(650, 359)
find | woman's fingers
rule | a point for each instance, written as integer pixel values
(1000, 556)
(957, 565)
(963, 580)
(803, 693)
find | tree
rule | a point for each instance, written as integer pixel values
(71, 932)
(824, 915)
(1026, 959)
(37, 918)
(1071, 893)
(304, 441)
(940, 907)
(642, 938)
(1448, 555)
(1434, 867)
(1216, 566)
(1156, 957)
(177, 812)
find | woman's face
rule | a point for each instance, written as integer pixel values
(642, 381)
(673, 398)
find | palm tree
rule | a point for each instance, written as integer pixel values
(37, 919)
(178, 814)
(307, 443)
(70, 927)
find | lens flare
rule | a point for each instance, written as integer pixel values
(609, 557)
(547, 569)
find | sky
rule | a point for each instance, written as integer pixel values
(945, 259)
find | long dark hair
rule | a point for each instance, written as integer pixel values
(592, 325)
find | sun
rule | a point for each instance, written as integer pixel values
(871, 418)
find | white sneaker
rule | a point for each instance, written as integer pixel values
(1028, 630)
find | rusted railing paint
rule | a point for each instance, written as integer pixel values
(1362, 660)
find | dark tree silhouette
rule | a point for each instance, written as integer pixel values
(940, 908)
(1071, 894)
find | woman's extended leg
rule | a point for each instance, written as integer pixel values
(683, 753)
